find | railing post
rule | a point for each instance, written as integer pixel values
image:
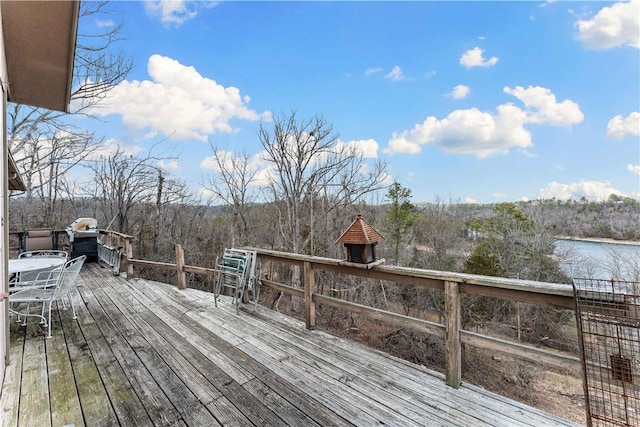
(182, 277)
(309, 288)
(453, 347)
(128, 250)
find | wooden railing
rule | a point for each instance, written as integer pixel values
(453, 285)
(179, 267)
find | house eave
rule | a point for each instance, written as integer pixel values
(40, 42)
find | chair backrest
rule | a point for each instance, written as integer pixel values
(242, 261)
(38, 240)
(70, 272)
(45, 254)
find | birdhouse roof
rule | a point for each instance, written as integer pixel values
(360, 233)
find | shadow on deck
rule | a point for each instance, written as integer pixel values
(146, 353)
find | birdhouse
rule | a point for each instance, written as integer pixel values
(360, 239)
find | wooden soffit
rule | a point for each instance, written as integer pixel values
(15, 181)
(40, 42)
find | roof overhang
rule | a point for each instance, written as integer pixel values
(15, 181)
(40, 43)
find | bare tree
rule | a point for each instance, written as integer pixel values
(45, 143)
(122, 181)
(232, 184)
(308, 162)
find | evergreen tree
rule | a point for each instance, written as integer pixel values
(399, 217)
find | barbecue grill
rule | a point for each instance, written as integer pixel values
(83, 237)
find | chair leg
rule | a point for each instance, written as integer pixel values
(50, 325)
(73, 307)
(24, 321)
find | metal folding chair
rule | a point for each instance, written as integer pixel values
(237, 271)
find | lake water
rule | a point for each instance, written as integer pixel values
(599, 260)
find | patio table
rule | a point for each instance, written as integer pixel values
(22, 265)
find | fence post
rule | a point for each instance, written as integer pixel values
(182, 277)
(452, 345)
(128, 250)
(309, 287)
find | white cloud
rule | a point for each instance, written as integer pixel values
(474, 58)
(387, 179)
(257, 163)
(612, 26)
(400, 144)
(177, 102)
(111, 146)
(634, 169)
(429, 74)
(470, 200)
(618, 127)
(545, 107)
(206, 193)
(591, 190)
(498, 195)
(395, 75)
(175, 12)
(104, 23)
(171, 164)
(459, 92)
(367, 148)
(468, 131)
(372, 70)
(483, 134)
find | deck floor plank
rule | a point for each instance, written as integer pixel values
(327, 373)
(94, 398)
(389, 385)
(147, 353)
(34, 393)
(314, 409)
(378, 371)
(65, 403)
(10, 398)
(149, 397)
(252, 408)
(350, 369)
(171, 371)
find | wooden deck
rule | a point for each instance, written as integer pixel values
(145, 353)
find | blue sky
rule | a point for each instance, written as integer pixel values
(478, 102)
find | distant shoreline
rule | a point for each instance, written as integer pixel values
(601, 240)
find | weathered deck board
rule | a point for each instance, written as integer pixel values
(34, 393)
(94, 400)
(249, 404)
(148, 404)
(65, 403)
(386, 383)
(10, 398)
(145, 353)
